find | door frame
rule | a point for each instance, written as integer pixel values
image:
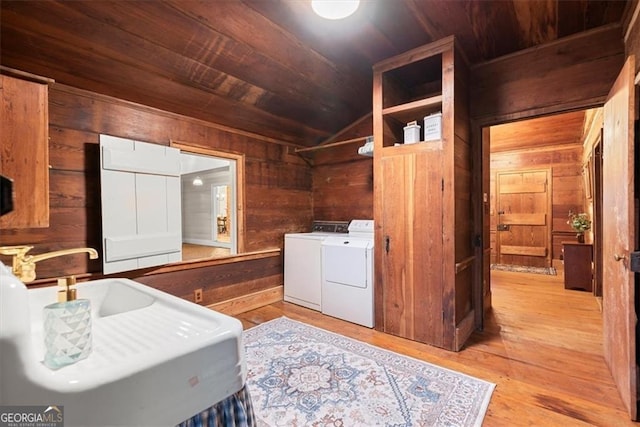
(596, 176)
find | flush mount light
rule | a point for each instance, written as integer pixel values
(197, 181)
(334, 9)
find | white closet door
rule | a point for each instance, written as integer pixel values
(141, 208)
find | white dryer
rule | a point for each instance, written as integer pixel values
(347, 274)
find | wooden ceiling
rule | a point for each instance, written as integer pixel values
(269, 67)
(560, 129)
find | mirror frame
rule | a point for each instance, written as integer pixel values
(240, 167)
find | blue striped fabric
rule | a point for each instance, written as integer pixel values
(234, 411)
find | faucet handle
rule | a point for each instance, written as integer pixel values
(22, 270)
(20, 251)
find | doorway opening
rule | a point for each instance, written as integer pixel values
(615, 200)
(542, 171)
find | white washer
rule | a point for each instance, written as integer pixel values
(303, 263)
(347, 274)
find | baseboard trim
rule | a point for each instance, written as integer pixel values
(249, 302)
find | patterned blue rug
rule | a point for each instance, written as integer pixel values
(300, 375)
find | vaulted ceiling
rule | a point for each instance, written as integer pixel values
(270, 67)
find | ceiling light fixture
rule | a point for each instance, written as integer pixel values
(334, 9)
(197, 181)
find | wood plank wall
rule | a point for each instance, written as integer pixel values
(571, 73)
(277, 192)
(343, 179)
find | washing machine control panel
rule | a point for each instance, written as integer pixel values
(361, 226)
(330, 226)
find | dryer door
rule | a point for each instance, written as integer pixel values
(344, 261)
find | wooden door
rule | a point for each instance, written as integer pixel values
(618, 222)
(409, 251)
(523, 206)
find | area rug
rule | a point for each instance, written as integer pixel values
(524, 269)
(300, 375)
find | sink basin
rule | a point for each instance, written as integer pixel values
(156, 359)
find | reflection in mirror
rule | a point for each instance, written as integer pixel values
(208, 187)
(144, 212)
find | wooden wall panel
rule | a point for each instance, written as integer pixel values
(343, 191)
(220, 282)
(570, 73)
(277, 201)
(277, 192)
(343, 179)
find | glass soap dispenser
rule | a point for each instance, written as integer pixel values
(67, 327)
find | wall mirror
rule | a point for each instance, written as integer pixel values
(168, 204)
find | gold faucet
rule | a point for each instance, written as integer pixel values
(24, 266)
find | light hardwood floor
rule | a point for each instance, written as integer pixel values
(191, 252)
(541, 346)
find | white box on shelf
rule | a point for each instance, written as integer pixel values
(433, 127)
(412, 133)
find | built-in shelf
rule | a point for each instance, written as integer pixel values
(413, 148)
(396, 117)
(415, 106)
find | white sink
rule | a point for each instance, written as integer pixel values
(156, 360)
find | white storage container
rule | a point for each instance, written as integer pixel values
(433, 127)
(412, 133)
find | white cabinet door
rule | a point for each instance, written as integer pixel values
(141, 207)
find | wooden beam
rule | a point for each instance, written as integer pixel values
(25, 76)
